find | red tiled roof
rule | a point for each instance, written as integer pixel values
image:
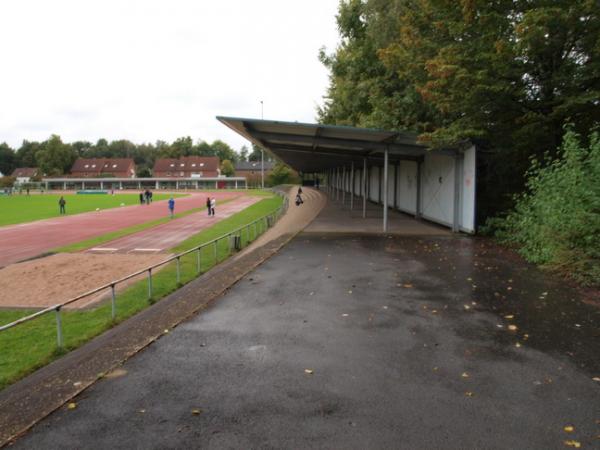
(25, 172)
(101, 165)
(187, 164)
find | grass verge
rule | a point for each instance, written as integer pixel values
(32, 345)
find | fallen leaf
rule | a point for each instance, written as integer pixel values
(344, 315)
(349, 292)
(512, 327)
(596, 379)
(518, 345)
(166, 331)
(571, 443)
(469, 394)
(308, 371)
(196, 412)
(569, 428)
(141, 411)
(465, 375)
(434, 311)
(407, 285)
(72, 405)
(467, 307)
(510, 316)
(77, 383)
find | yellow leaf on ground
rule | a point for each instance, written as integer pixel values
(512, 327)
(469, 394)
(510, 316)
(465, 375)
(569, 428)
(407, 285)
(196, 411)
(308, 371)
(72, 405)
(571, 443)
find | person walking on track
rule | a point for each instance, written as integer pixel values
(171, 207)
(61, 205)
(213, 204)
(208, 206)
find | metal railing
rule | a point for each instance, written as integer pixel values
(252, 232)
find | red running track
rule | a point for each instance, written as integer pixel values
(27, 240)
(168, 235)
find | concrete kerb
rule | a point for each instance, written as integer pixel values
(28, 401)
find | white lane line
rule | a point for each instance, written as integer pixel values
(103, 249)
(146, 250)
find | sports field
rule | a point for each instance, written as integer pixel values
(22, 208)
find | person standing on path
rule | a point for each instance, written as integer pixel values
(171, 206)
(208, 206)
(213, 203)
(61, 205)
(141, 198)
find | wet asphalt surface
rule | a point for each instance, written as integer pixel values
(408, 343)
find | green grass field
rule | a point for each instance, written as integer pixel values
(27, 347)
(22, 208)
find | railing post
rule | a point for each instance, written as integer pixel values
(178, 270)
(59, 334)
(198, 260)
(216, 255)
(113, 302)
(149, 284)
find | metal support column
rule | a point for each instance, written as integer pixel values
(352, 186)
(364, 187)
(396, 185)
(418, 207)
(385, 191)
(344, 185)
(337, 184)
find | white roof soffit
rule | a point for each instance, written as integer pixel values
(313, 147)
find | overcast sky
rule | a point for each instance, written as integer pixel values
(158, 69)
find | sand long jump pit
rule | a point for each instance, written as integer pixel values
(44, 282)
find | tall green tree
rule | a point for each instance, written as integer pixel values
(223, 151)
(55, 157)
(8, 159)
(26, 154)
(227, 168)
(504, 73)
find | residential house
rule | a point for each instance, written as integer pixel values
(103, 167)
(187, 167)
(25, 174)
(251, 170)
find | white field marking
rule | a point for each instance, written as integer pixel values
(103, 249)
(146, 250)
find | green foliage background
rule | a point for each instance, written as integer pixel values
(556, 221)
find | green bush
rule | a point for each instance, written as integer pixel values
(556, 221)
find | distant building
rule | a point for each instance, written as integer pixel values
(103, 167)
(187, 167)
(251, 171)
(25, 174)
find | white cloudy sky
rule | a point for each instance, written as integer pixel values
(158, 69)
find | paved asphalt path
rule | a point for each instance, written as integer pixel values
(168, 235)
(28, 240)
(406, 342)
